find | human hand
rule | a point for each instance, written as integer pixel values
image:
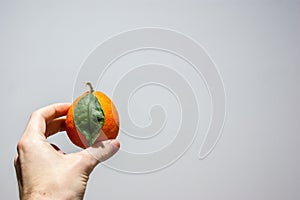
(45, 172)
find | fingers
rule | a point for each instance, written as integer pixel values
(57, 149)
(53, 111)
(39, 119)
(54, 126)
(99, 152)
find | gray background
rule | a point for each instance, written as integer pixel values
(255, 45)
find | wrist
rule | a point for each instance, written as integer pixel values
(35, 195)
(43, 195)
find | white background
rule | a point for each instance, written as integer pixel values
(255, 45)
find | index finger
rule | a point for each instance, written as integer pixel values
(39, 119)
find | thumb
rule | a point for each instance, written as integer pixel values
(100, 152)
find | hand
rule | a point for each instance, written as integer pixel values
(45, 172)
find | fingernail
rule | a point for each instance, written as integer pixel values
(115, 144)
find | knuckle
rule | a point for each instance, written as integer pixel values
(22, 145)
(90, 160)
(34, 114)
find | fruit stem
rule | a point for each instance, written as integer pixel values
(90, 86)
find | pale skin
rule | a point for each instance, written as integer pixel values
(44, 171)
